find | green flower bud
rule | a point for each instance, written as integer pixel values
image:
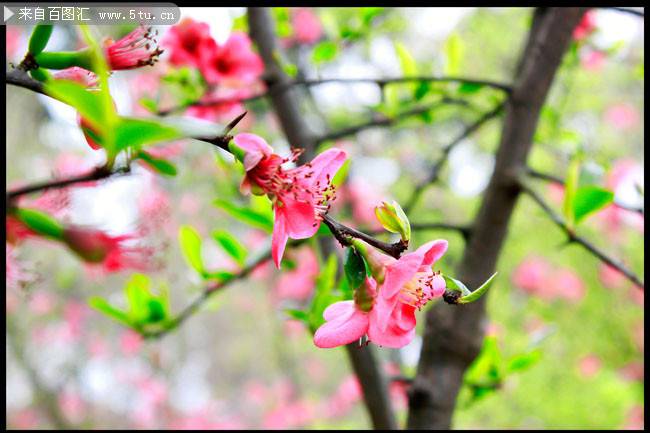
(392, 218)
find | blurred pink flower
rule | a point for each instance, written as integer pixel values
(130, 342)
(556, 192)
(294, 328)
(234, 61)
(189, 203)
(634, 419)
(589, 365)
(78, 75)
(75, 314)
(347, 395)
(586, 26)
(13, 41)
(97, 346)
(106, 252)
(566, 284)
(622, 116)
(256, 392)
(72, 406)
(531, 274)
(307, 28)
(289, 415)
(298, 283)
(611, 277)
(364, 197)
(154, 207)
(633, 371)
(15, 274)
(138, 48)
(41, 302)
(25, 419)
(636, 295)
(593, 60)
(186, 41)
(622, 179)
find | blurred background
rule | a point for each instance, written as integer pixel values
(565, 345)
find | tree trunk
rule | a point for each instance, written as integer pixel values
(453, 334)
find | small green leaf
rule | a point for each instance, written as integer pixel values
(231, 245)
(523, 361)
(570, 187)
(257, 219)
(406, 60)
(149, 104)
(39, 38)
(454, 53)
(355, 268)
(342, 173)
(135, 133)
(469, 88)
(160, 165)
(155, 310)
(191, 247)
(589, 199)
(138, 296)
(324, 51)
(88, 104)
(40, 222)
(220, 276)
(476, 294)
(303, 316)
(103, 306)
(457, 285)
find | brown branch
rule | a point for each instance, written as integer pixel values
(434, 172)
(388, 121)
(453, 336)
(343, 233)
(464, 230)
(574, 238)
(19, 77)
(559, 181)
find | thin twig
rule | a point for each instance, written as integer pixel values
(628, 11)
(388, 121)
(437, 166)
(462, 229)
(559, 181)
(573, 237)
(343, 233)
(18, 77)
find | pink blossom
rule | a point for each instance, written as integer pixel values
(589, 365)
(636, 295)
(298, 194)
(633, 372)
(72, 406)
(294, 328)
(13, 41)
(41, 302)
(622, 116)
(15, 274)
(531, 274)
(138, 48)
(568, 285)
(154, 208)
(78, 75)
(74, 314)
(347, 395)
(634, 419)
(186, 41)
(16, 230)
(298, 283)
(556, 192)
(386, 315)
(364, 197)
(611, 277)
(306, 26)
(25, 419)
(235, 61)
(593, 60)
(111, 253)
(288, 415)
(130, 342)
(586, 26)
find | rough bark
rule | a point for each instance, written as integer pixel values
(453, 335)
(286, 105)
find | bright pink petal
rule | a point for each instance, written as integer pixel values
(433, 251)
(439, 285)
(400, 273)
(300, 218)
(255, 147)
(394, 336)
(327, 164)
(339, 332)
(279, 240)
(339, 311)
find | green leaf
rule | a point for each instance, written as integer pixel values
(155, 311)
(342, 173)
(406, 60)
(138, 296)
(303, 316)
(457, 285)
(589, 199)
(254, 218)
(324, 51)
(476, 294)
(160, 165)
(89, 104)
(231, 245)
(355, 268)
(469, 88)
(134, 133)
(454, 50)
(40, 222)
(103, 306)
(523, 361)
(149, 104)
(422, 89)
(39, 38)
(570, 187)
(220, 276)
(191, 247)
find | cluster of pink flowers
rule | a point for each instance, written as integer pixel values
(384, 306)
(537, 277)
(299, 194)
(298, 284)
(232, 70)
(586, 26)
(307, 28)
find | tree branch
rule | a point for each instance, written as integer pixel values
(18, 77)
(559, 181)
(628, 11)
(388, 121)
(574, 238)
(434, 173)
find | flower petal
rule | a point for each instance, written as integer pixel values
(432, 251)
(339, 310)
(400, 273)
(279, 240)
(255, 147)
(300, 218)
(327, 164)
(439, 285)
(336, 333)
(397, 335)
